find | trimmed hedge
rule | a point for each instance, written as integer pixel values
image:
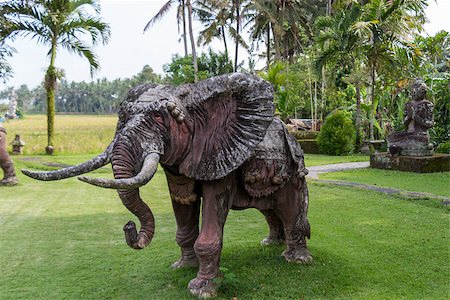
(304, 134)
(337, 136)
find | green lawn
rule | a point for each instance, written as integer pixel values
(321, 159)
(433, 183)
(64, 240)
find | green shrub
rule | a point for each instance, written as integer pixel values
(443, 148)
(337, 136)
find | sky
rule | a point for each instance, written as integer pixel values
(130, 49)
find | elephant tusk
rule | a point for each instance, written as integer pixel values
(88, 166)
(149, 168)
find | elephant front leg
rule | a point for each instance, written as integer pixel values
(208, 247)
(187, 216)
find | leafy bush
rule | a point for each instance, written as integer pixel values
(181, 69)
(337, 136)
(443, 148)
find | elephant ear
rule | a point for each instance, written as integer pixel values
(228, 116)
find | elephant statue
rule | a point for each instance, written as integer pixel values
(220, 147)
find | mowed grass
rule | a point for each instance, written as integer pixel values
(64, 240)
(433, 183)
(321, 159)
(74, 134)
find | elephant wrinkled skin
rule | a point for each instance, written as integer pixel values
(221, 148)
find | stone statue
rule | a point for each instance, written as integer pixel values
(6, 163)
(11, 114)
(221, 148)
(418, 119)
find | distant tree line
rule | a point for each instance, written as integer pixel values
(96, 97)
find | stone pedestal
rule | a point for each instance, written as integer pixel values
(417, 164)
(365, 149)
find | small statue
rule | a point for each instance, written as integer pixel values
(11, 114)
(418, 119)
(6, 163)
(18, 145)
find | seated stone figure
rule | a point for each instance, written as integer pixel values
(6, 163)
(418, 119)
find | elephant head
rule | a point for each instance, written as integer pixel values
(205, 130)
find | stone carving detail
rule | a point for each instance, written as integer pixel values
(221, 148)
(415, 141)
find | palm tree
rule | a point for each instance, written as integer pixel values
(259, 16)
(221, 18)
(6, 51)
(60, 24)
(215, 16)
(383, 26)
(339, 47)
(181, 18)
(191, 36)
(284, 24)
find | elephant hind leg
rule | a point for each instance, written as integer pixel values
(292, 209)
(276, 229)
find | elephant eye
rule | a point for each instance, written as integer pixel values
(157, 116)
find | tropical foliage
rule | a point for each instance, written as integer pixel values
(181, 69)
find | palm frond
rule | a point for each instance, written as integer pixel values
(323, 22)
(83, 50)
(162, 11)
(98, 30)
(237, 37)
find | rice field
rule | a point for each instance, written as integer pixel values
(74, 134)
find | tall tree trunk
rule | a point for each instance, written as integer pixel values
(50, 86)
(372, 101)
(313, 127)
(191, 36)
(224, 37)
(238, 25)
(323, 90)
(358, 117)
(184, 28)
(268, 46)
(275, 43)
(315, 107)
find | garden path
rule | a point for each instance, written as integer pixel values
(314, 171)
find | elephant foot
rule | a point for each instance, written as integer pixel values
(298, 255)
(268, 241)
(204, 288)
(185, 262)
(10, 181)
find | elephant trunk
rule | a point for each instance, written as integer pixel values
(126, 162)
